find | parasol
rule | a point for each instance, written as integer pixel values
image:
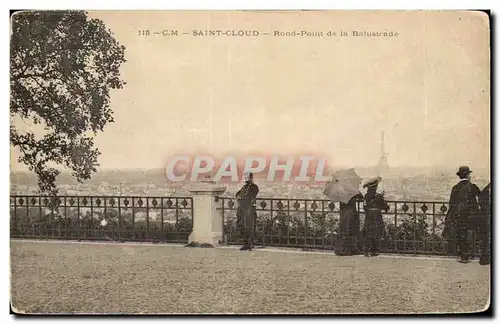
(343, 186)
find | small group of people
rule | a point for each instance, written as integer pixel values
(470, 210)
(349, 218)
(349, 235)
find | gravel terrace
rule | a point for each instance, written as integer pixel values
(62, 277)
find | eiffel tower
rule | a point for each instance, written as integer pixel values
(383, 165)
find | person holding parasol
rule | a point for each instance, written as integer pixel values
(344, 188)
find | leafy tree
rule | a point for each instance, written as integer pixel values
(62, 67)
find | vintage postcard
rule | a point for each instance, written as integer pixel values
(250, 162)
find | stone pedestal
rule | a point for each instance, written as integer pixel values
(207, 220)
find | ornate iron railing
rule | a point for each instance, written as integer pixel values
(410, 226)
(157, 219)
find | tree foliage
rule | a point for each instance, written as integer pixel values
(62, 67)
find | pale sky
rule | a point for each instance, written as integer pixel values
(428, 88)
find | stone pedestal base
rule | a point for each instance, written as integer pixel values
(207, 220)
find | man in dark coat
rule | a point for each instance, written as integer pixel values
(374, 223)
(463, 210)
(246, 213)
(484, 225)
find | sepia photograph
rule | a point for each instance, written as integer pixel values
(250, 162)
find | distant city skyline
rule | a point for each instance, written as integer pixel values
(449, 170)
(428, 90)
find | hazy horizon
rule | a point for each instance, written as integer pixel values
(435, 168)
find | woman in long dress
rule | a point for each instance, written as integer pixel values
(374, 223)
(348, 231)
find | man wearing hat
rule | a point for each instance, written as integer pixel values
(374, 223)
(246, 213)
(463, 210)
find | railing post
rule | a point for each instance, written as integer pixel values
(221, 202)
(415, 229)
(15, 216)
(207, 219)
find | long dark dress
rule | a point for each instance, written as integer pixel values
(483, 226)
(348, 231)
(246, 213)
(374, 226)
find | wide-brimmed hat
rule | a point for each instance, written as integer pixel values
(463, 170)
(372, 182)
